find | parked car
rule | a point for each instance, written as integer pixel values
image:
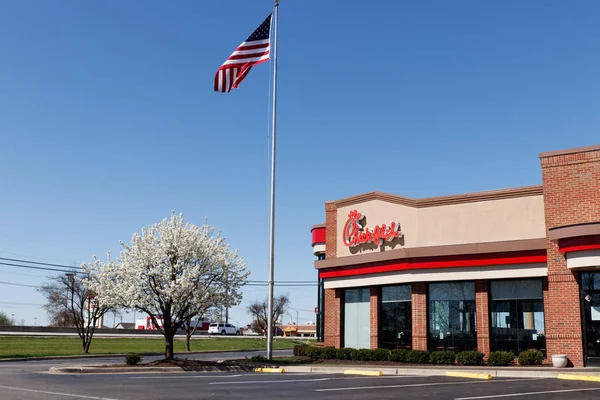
(223, 329)
(277, 331)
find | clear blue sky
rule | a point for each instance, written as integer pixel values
(108, 119)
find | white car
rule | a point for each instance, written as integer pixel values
(223, 329)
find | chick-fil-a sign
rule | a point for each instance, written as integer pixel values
(356, 234)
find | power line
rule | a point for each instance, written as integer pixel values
(18, 284)
(37, 263)
(39, 268)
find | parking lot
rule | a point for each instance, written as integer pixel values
(37, 386)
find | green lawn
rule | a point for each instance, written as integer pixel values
(18, 347)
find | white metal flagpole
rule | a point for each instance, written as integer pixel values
(274, 20)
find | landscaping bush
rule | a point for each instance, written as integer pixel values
(398, 355)
(380, 354)
(442, 357)
(258, 358)
(328, 353)
(530, 357)
(315, 352)
(344, 353)
(417, 357)
(362, 355)
(500, 358)
(470, 358)
(132, 359)
(301, 350)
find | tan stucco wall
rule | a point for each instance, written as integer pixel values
(477, 222)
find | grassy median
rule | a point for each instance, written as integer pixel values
(19, 347)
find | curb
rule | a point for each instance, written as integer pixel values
(130, 370)
(273, 370)
(589, 378)
(362, 372)
(92, 356)
(468, 375)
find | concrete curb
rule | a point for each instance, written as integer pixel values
(92, 356)
(493, 373)
(272, 370)
(149, 370)
(468, 375)
(588, 378)
(362, 372)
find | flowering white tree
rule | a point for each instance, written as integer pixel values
(174, 271)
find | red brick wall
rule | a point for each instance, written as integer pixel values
(571, 195)
(330, 231)
(483, 316)
(374, 316)
(333, 320)
(419, 316)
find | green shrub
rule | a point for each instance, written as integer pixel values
(301, 350)
(398, 355)
(380, 354)
(500, 358)
(362, 355)
(344, 353)
(530, 357)
(442, 357)
(315, 352)
(328, 353)
(132, 359)
(258, 358)
(417, 357)
(470, 358)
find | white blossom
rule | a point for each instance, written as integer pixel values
(171, 270)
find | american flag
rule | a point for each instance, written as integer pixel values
(253, 51)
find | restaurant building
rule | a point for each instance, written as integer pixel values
(510, 269)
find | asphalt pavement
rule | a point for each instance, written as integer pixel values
(30, 380)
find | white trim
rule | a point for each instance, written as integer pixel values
(583, 259)
(439, 275)
(318, 248)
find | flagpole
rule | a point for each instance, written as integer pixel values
(272, 222)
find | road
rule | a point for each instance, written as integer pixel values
(30, 381)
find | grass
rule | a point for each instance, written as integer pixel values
(27, 346)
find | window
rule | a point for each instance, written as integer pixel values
(396, 317)
(357, 318)
(517, 315)
(452, 316)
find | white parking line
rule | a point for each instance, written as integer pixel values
(186, 376)
(308, 380)
(78, 396)
(526, 394)
(422, 384)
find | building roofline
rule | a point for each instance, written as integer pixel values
(499, 194)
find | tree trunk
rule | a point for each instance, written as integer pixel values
(86, 346)
(169, 344)
(187, 342)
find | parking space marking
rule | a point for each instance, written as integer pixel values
(496, 396)
(186, 376)
(423, 384)
(78, 396)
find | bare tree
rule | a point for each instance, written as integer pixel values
(69, 301)
(259, 311)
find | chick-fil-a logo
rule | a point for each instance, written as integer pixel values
(356, 234)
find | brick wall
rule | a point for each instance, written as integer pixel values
(419, 316)
(374, 305)
(333, 323)
(483, 316)
(330, 231)
(571, 195)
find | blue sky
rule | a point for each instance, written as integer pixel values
(108, 119)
